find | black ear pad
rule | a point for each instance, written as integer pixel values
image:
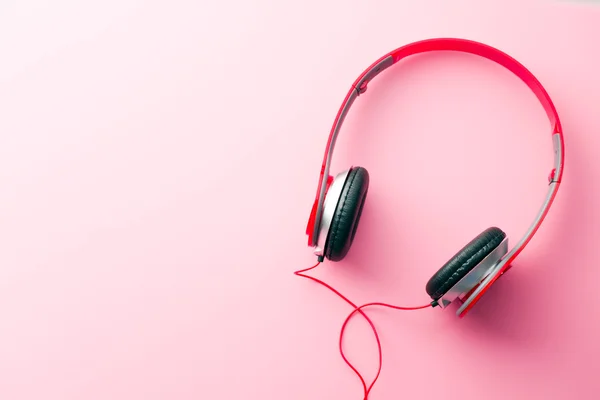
(464, 261)
(347, 214)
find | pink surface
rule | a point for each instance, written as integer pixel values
(159, 159)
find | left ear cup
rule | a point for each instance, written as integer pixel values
(347, 214)
(464, 261)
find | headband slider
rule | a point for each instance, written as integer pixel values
(372, 72)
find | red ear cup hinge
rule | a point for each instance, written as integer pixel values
(329, 182)
(311, 222)
(310, 226)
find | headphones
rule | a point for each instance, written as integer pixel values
(339, 201)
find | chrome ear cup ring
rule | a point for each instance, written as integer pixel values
(475, 276)
(332, 198)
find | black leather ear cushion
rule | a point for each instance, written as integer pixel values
(464, 261)
(347, 214)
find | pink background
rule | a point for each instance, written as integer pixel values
(158, 161)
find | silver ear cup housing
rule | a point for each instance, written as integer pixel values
(475, 276)
(332, 198)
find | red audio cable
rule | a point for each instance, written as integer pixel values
(358, 309)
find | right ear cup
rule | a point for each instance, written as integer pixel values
(347, 214)
(464, 261)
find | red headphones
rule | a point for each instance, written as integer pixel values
(338, 204)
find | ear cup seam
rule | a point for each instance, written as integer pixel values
(335, 229)
(463, 265)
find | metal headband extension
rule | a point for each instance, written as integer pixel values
(467, 46)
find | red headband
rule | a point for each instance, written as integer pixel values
(466, 46)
